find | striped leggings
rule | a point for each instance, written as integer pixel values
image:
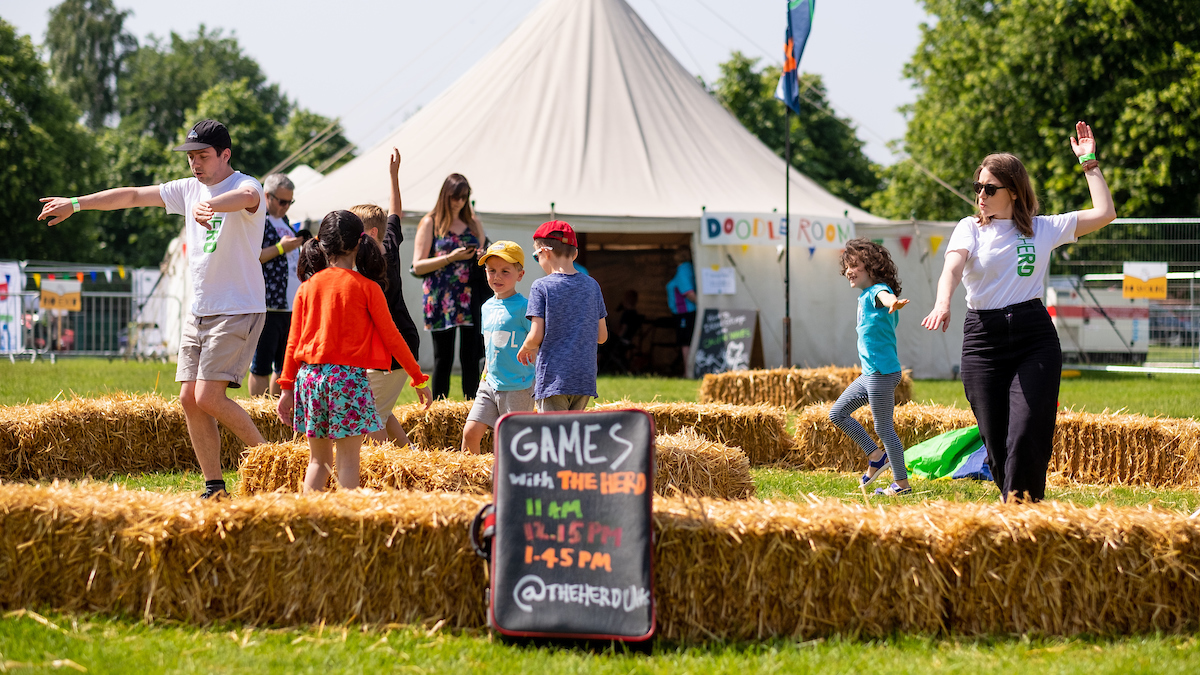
(878, 389)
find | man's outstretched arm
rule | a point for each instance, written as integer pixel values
(58, 209)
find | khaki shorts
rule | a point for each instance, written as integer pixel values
(218, 348)
(491, 405)
(386, 385)
(563, 403)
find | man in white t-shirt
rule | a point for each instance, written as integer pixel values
(223, 225)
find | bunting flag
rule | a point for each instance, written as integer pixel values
(878, 241)
(79, 276)
(37, 280)
(93, 276)
(811, 251)
(50, 277)
(745, 247)
(108, 275)
(800, 14)
(905, 242)
(121, 270)
(936, 242)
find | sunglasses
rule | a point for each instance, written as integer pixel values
(283, 202)
(988, 188)
(538, 250)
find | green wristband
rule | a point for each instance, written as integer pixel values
(75, 204)
(1087, 158)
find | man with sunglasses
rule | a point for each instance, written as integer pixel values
(279, 256)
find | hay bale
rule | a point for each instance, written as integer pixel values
(820, 444)
(685, 463)
(281, 467)
(725, 570)
(691, 464)
(788, 387)
(1060, 569)
(117, 433)
(759, 430)
(441, 426)
(1116, 449)
(272, 559)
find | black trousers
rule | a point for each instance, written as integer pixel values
(1011, 366)
(470, 350)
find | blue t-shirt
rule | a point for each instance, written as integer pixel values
(505, 327)
(677, 288)
(877, 333)
(572, 307)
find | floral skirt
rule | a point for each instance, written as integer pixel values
(334, 402)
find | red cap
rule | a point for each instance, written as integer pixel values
(556, 229)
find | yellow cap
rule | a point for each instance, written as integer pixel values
(505, 250)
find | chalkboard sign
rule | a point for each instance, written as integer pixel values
(729, 340)
(572, 553)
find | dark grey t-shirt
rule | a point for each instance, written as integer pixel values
(572, 306)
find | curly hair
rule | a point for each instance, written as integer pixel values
(875, 259)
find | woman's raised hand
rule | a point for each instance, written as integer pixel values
(1085, 143)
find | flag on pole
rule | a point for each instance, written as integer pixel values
(800, 14)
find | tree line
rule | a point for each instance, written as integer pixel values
(104, 110)
(996, 76)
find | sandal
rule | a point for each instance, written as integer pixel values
(877, 466)
(893, 490)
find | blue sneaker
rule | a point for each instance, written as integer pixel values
(893, 490)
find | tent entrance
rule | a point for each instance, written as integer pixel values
(633, 270)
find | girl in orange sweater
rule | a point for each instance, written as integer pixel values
(340, 327)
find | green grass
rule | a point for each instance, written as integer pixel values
(1095, 391)
(108, 645)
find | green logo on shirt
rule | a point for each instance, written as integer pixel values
(1026, 257)
(214, 229)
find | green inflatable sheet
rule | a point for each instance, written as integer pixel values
(942, 456)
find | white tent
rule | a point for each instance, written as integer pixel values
(583, 112)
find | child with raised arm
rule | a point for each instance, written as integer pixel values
(340, 327)
(387, 384)
(507, 384)
(567, 311)
(869, 268)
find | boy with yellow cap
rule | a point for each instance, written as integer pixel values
(507, 384)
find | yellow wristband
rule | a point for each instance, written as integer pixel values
(279, 247)
(422, 385)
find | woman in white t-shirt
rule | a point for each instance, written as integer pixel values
(1011, 358)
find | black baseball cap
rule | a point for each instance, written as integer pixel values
(207, 134)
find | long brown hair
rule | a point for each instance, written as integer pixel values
(455, 185)
(1011, 173)
(875, 260)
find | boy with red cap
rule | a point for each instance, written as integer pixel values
(567, 312)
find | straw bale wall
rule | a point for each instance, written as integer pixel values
(686, 463)
(788, 387)
(730, 570)
(439, 427)
(117, 433)
(759, 430)
(1095, 448)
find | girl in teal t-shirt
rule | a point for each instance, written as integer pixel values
(869, 268)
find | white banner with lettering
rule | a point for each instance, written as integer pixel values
(771, 229)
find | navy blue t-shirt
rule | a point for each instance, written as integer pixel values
(572, 306)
